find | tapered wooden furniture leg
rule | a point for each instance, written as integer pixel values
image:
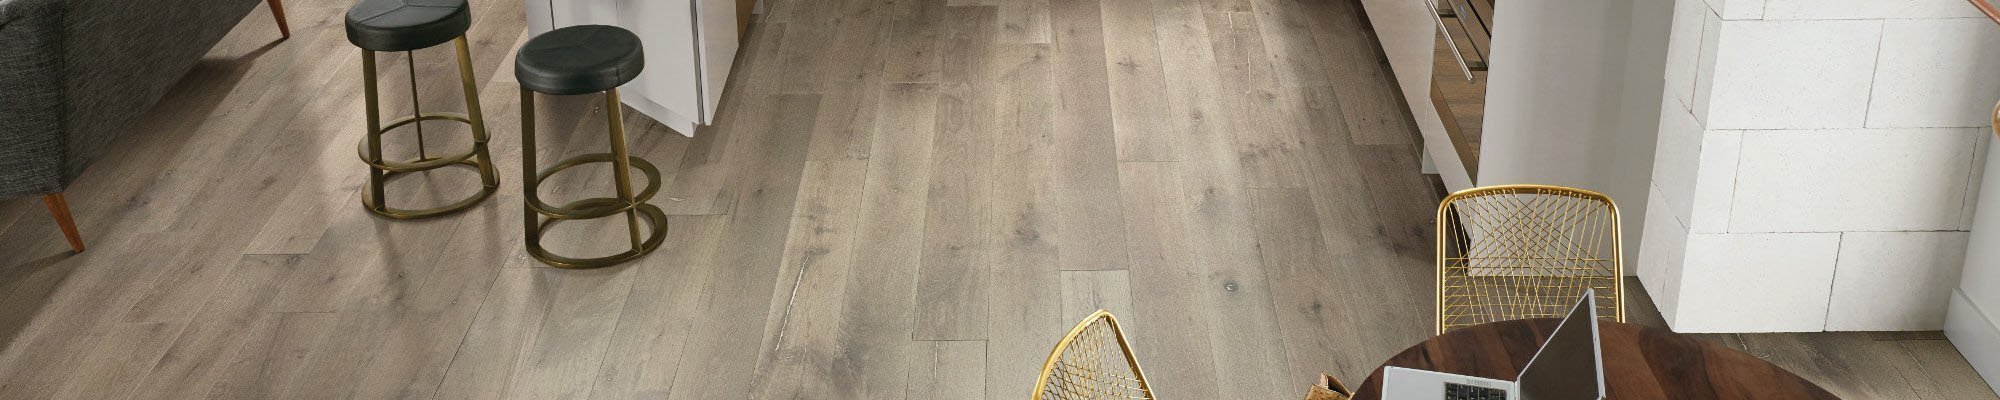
(278, 11)
(59, 208)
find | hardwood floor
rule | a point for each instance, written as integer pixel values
(901, 199)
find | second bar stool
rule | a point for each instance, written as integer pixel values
(577, 60)
(408, 25)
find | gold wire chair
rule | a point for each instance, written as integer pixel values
(1084, 365)
(1526, 251)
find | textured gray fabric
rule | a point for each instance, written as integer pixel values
(31, 143)
(114, 57)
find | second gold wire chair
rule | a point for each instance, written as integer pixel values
(1526, 251)
(1093, 361)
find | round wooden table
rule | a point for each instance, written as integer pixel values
(1639, 363)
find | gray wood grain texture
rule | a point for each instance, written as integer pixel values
(903, 199)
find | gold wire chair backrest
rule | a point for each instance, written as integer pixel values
(1092, 362)
(1526, 251)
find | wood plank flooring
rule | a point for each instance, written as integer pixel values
(901, 199)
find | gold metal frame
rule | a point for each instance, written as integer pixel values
(1526, 251)
(627, 202)
(1088, 374)
(381, 170)
(1996, 108)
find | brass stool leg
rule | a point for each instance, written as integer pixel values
(374, 140)
(530, 181)
(416, 104)
(380, 170)
(632, 204)
(621, 161)
(479, 148)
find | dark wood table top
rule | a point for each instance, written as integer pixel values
(1639, 363)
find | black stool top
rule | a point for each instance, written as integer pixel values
(579, 59)
(398, 25)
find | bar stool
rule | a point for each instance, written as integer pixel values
(407, 25)
(578, 60)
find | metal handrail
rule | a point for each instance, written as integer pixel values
(1438, 16)
(1991, 10)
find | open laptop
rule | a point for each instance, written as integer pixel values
(1570, 366)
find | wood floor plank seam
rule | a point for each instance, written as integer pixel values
(899, 199)
(457, 350)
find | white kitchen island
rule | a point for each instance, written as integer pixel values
(689, 44)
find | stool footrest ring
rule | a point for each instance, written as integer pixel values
(368, 202)
(361, 147)
(653, 215)
(583, 209)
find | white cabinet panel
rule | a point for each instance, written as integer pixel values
(717, 37)
(690, 45)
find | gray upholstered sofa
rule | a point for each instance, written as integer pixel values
(74, 73)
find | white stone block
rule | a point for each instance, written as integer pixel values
(1694, 171)
(1867, 9)
(1738, 9)
(1936, 73)
(1676, 157)
(1704, 68)
(1894, 281)
(1976, 184)
(1658, 263)
(1756, 282)
(1683, 50)
(1715, 182)
(1792, 74)
(1853, 180)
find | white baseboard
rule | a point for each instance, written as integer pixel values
(1975, 335)
(660, 113)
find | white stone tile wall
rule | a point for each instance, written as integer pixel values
(1867, 9)
(1704, 73)
(1935, 73)
(1716, 181)
(1792, 74)
(1738, 9)
(1676, 157)
(1683, 49)
(1894, 280)
(1816, 162)
(1756, 282)
(1659, 260)
(1853, 180)
(1974, 183)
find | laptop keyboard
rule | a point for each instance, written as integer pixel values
(1453, 391)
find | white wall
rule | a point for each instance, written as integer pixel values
(1573, 98)
(1817, 162)
(1970, 320)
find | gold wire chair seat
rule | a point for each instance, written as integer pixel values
(1525, 251)
(1092, 362)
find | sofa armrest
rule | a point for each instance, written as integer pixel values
(32, 140)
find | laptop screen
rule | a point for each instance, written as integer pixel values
(1570, 365)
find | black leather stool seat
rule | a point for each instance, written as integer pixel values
(579, 59)
(398, 25)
